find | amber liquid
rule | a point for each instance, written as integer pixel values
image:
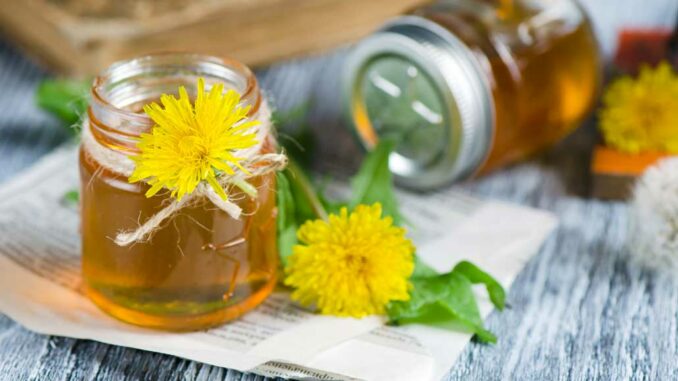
(199, 269)
(543, 84)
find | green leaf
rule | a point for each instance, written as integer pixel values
(446, 300)
(299, 142)
(331, 206)
(374, 182)
(66, 99)
(286, 221)
(294, 115)
(300, 145)
(308, 205)
(72, 196)
(422, 270)
(478, 276)
(245, 187)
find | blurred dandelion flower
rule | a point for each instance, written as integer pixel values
(641, 114)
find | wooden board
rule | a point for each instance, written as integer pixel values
(84, 40)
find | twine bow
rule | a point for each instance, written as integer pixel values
(255, 163)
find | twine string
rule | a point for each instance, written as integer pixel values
(257, 164)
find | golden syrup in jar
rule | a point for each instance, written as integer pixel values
(201, 267)
(471, 85)
(544, 79)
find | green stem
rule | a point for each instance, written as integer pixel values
(246, 187)
(303, 182)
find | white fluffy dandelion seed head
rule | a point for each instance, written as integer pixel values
(654, 217)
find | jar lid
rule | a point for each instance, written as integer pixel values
(416, 80)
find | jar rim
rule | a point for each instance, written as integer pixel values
(112, 73)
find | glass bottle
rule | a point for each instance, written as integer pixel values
(471, 85)
(201, 267)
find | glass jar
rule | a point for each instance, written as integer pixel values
(200, 267)
(471, 85)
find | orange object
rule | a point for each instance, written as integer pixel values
(610, 161)
(615, 172)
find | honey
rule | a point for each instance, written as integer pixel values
(543, 88)
(201, 267)
(471, 85)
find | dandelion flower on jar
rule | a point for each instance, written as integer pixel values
(191, 143)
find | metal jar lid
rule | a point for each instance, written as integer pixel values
(415, 79)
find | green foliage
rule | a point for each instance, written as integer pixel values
(293, 116)
(444, 300)
(66, 99)
(331, 206)
(308, 204)
(286, 219)
(298, 142)
(72, 196)
(298, 202)
(374, 181)
(478, 276)
(422, 270)
(447, 300)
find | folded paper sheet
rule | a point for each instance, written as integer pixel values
(41, 289)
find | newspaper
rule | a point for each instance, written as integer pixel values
(41, 287)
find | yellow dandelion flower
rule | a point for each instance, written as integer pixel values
(351, 265)
(193, 143)
(642, 114)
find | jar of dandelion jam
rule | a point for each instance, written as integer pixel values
(177, 167)
(470, 85)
